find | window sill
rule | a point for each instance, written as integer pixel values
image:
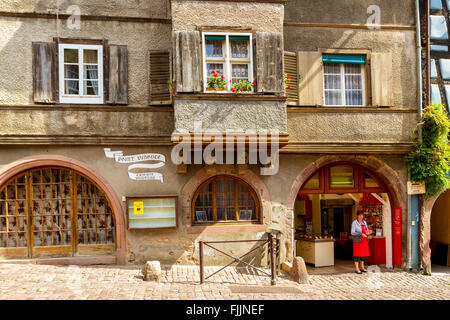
(229, 96)
(197, 229)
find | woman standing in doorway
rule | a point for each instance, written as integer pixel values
(360, 242)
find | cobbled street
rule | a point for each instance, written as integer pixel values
(29, 281)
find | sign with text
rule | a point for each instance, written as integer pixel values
(416, 187)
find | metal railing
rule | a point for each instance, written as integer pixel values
(273, 242)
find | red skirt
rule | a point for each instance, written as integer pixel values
(361, 249)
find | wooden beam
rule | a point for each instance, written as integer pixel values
(53, 16)
(346, 26)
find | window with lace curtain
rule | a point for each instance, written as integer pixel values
(344, 80)
(80, 74)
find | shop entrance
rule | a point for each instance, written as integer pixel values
(54, 212)
(440, 231)
(325, 208)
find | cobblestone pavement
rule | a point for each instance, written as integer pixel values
(29, 281)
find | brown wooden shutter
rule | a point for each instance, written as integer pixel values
(45, 73)
(188, 61)
(269, 58)
(381, 78)
(290, 68)
(159, 78)
(310, 78)
(117, 75)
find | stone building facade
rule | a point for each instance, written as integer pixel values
(139, 46)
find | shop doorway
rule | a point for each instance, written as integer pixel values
(325, 208)
(54, 212)
(440, 231)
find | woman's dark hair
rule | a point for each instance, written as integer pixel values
(359, 213)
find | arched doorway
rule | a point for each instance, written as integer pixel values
(54, 212)
(53, 206)
(440, 231)
(371, 177)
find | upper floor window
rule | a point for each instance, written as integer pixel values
(227, 62)
(80, 74)
(344, 80)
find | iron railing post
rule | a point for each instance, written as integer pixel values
(201, 262)
(273, 280)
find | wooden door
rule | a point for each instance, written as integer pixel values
(54, 212)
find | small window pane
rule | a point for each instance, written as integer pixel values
(71, 71)
(90, 56)
(239, 71)
(71, 55)
(239, 49)
(220, 213)
(71, 87)
(214, 48)
(370, 182)
(91, 88)
(333, 98)
(214, 67)
(230, 214)
(313, 183)
(353, 98)
(332, 68)
(352, 69)
(342, 177)
(353, 82)
(332, 81)
(91, 72)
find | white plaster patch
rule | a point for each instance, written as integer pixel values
(120, 158)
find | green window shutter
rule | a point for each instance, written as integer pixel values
(239, 38)
(347, 59)
(215, 38)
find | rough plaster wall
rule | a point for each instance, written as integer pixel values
(176, 246)
(400, 43)
(397, 12)
(133, 8)
(16, 37)
(222, 115)
(85, 123)
(187, 15)
(351, 127)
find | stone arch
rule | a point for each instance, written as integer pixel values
(425, 233)
(189, 189)
(9, 171)
(396, 188)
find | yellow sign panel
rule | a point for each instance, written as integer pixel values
(138, 207)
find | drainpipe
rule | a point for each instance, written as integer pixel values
(419, 113)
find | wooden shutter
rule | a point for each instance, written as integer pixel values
(117, 75)
(44, 72)
(159, 77)
(290, 68)
(187, 61)
(381, 78)
(310, 78)
(269, 58)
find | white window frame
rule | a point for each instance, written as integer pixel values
(228, 61)
(80, 98)
(342, 74)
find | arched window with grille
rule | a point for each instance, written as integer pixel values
(54, 212)
(225, 199)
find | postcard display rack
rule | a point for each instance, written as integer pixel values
(152, 212)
